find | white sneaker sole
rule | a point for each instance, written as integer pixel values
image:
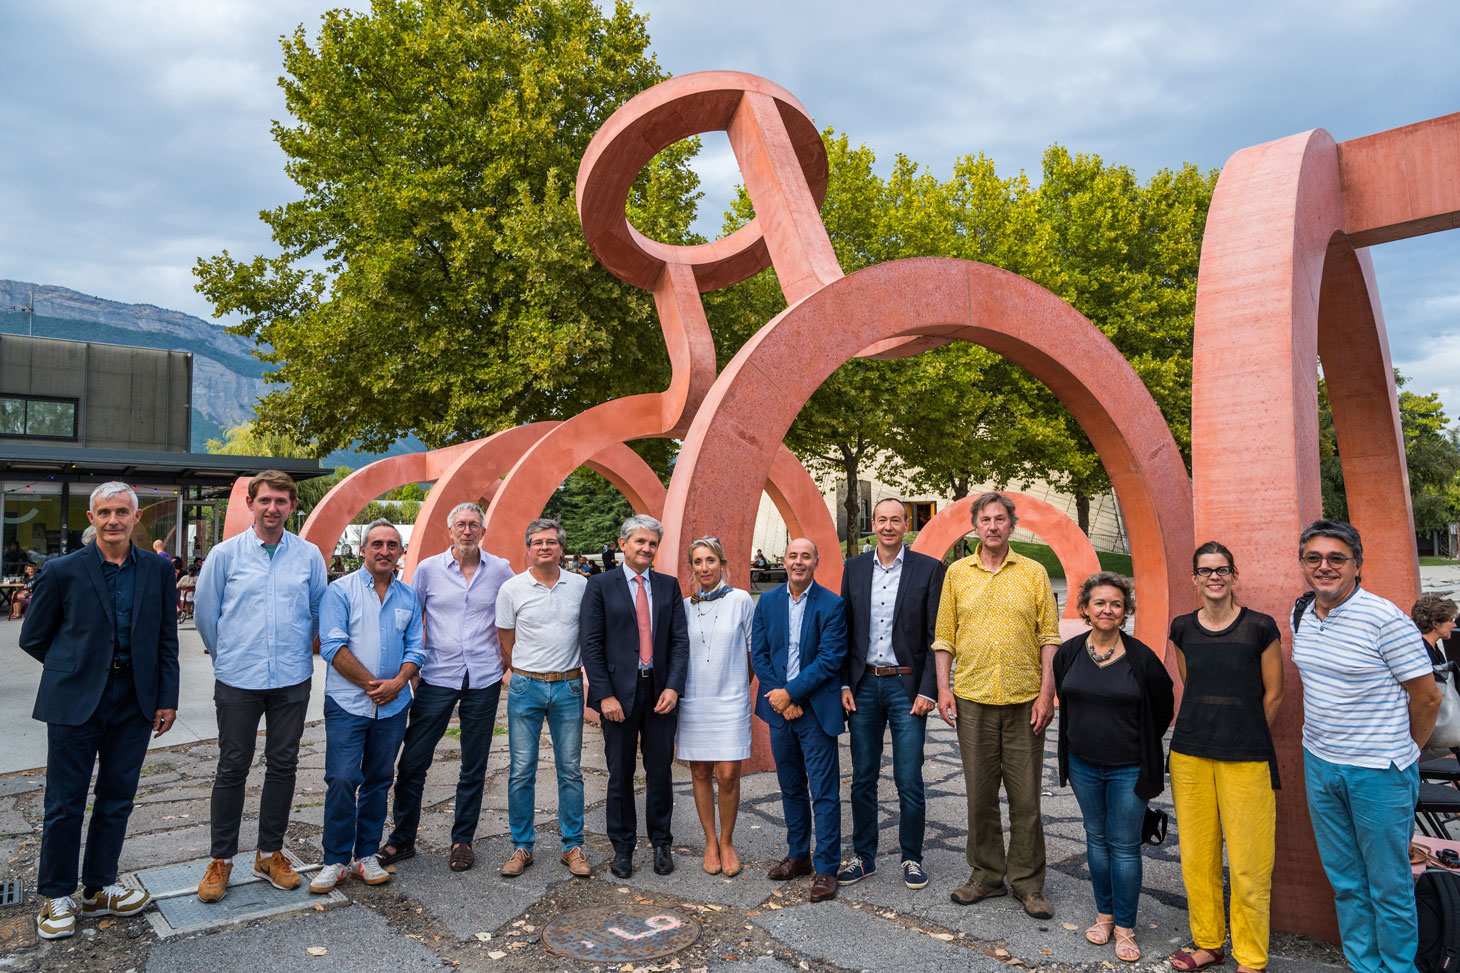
(120, 913)
(63, 934)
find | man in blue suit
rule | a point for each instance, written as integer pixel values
(797, 643)
(104, 624)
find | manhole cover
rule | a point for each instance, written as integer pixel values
(616, 933)
(17, 932)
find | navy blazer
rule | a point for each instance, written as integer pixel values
(914, 617)
(823, 646)
(608, 634)
(69, 628)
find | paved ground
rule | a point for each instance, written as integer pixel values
(429, 918)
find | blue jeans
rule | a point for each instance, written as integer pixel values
(1363, 820)
(359, 763)
(1113, 816)
(881, 703)
(430, 715)
(529, 703)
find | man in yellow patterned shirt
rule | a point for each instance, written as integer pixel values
(998, 626)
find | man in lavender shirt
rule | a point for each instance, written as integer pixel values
(458, 593)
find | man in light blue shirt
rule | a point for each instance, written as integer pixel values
(256, 605)
(370, 634)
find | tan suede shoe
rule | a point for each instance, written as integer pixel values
(215, 880)
(276, 870)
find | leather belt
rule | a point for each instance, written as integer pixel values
(119, 666)
(890, 670)
(549, 676)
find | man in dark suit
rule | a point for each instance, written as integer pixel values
(636, 656)
(891, 596)
(797, 643)
(104, 623)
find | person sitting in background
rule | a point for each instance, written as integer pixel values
(21, 598)
(1116, 702)
(759, 560)
(580, 565)
(1435, 616)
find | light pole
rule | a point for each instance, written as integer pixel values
(28, 309)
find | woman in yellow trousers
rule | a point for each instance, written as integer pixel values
(1223, 766)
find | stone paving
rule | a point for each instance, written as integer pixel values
(430, 918)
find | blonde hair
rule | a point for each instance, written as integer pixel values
(713, 543)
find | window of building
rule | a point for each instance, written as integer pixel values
(37, 417)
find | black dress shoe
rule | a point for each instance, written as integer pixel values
(663, 860)
(623, 864)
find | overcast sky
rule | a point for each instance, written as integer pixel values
(136, 136)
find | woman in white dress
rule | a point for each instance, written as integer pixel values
(714, 715)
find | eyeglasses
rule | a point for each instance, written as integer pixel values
(1221, 572)
(1313, 559)
(466, 525)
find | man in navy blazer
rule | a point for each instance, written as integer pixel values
(797, 643)
(104, 624)
(889, 680)
(635, 646)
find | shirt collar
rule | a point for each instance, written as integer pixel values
(629, 573)
(1010, 557)
(902, 548)
(131, 554)
(802, 600)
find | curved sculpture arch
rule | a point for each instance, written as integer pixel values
(1075, 552)
(746, 414)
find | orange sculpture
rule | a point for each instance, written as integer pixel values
(1284, 282)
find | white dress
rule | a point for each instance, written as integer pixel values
(714, 715)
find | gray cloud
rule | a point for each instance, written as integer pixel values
(137, 135)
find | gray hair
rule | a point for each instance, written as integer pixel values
(378, 522)
(113, 488)
(451, 517)
(1337, 530)
(546, 523)
(711, 543)
(640, 522)
(1107, 579)
(984, 499)
(88, 535)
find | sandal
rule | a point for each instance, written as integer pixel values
(395, 854)
(462, 857)
(1127, 941)
(1189, 962)
(1099, 934)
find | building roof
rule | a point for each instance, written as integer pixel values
(28, 461)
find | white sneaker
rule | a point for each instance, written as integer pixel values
(57, 919)
(114, 900)
(369, 870)
(328, 877)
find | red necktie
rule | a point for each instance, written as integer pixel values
(646, 643)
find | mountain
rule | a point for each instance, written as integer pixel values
(227, 379)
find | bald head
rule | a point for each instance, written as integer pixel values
(800, 561)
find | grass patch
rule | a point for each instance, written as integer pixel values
(1109, 561)
(455, 731)
(157, 768)
(1437, 562)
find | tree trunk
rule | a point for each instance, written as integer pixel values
(1082, 512)
(851, 466)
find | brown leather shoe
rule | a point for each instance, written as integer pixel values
(975, 891)
(215, 880)
(513, 867)
(823, 887)
(789, 868)
(275, 870)
(577, 862)
(1036, 905)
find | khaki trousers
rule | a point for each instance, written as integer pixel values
(998, 747)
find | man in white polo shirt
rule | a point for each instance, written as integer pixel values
(537, 625)
(1369, 704)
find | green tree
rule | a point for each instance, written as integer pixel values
(1431, 454)
(590, 510)
(432, 276)
(249, 439)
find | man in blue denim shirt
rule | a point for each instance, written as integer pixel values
(256, 605)
(370, 634)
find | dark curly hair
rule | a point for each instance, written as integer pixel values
(1432, 610)
(1107, 579)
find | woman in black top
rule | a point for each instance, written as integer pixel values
(1435, 617)
(1223, 767)
(1115, 704)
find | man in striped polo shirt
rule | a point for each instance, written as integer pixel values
(1369, 703)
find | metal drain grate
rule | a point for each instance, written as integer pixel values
(10, 892)
(177, 909)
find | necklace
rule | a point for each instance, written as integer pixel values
(1097, 657)
(707, 638)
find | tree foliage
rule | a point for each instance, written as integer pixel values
(432, 277)
(590, 509)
